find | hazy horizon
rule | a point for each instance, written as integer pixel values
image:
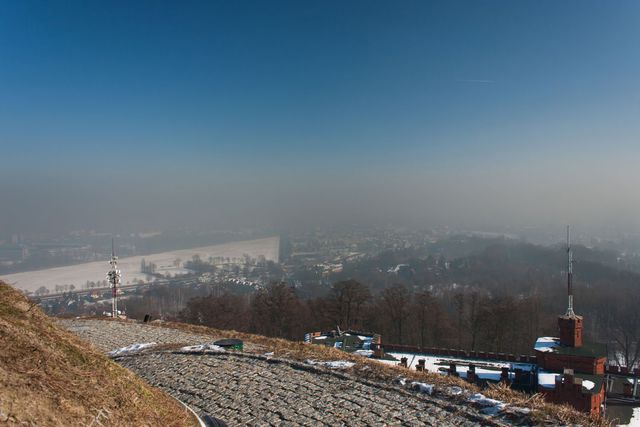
(155, 115)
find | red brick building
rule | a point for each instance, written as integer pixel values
(569, 370)
(569, 351)
(583, 392)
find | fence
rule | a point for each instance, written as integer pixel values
(432, 351)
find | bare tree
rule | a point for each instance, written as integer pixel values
(498, 318)
(346, 301)
(276, 312)
(625, 331)
(227, 311)
(395, 302)
(458, 301)
(474, 318)
(421, 310)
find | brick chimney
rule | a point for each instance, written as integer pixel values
(570, 330)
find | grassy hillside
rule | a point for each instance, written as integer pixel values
(50, 377)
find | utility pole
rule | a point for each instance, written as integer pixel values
(114, 277)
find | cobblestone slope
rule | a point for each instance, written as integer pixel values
(109, 335)
(253, 389)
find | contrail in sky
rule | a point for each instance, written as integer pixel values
(475, 81)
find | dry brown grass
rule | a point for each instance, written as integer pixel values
(49, 377)
(543, 412)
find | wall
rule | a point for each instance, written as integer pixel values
(431, 351)
(558, 362)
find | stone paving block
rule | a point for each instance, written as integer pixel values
(248, 391)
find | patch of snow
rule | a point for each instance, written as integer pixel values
(210, 348)
(588, 384)
(422, 387)
(339, 364)
(482, 373)
(437, 364)
(271, 353)
(489, 406)
(546, 344)
(490, 370)
(400, 381)
(547, 379)
(364, 353)
(635, 418)
(454, 391)
(133, 348)
(334, 364)
(482, 400)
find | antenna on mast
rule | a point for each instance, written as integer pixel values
(114, 276)
(570, 312)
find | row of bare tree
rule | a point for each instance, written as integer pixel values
(456, 319)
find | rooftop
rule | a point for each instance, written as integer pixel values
(590, 383)
(546, 344)
(587, 349)
(571, 316)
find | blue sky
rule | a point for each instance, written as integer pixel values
(283, 97)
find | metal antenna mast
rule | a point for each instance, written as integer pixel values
(569, 275)
(114, 275)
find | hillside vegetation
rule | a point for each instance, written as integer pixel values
(50, 377)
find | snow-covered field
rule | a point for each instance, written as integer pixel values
(79, 274)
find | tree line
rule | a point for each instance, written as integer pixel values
(467, 319)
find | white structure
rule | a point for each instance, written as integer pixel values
(114, 277)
